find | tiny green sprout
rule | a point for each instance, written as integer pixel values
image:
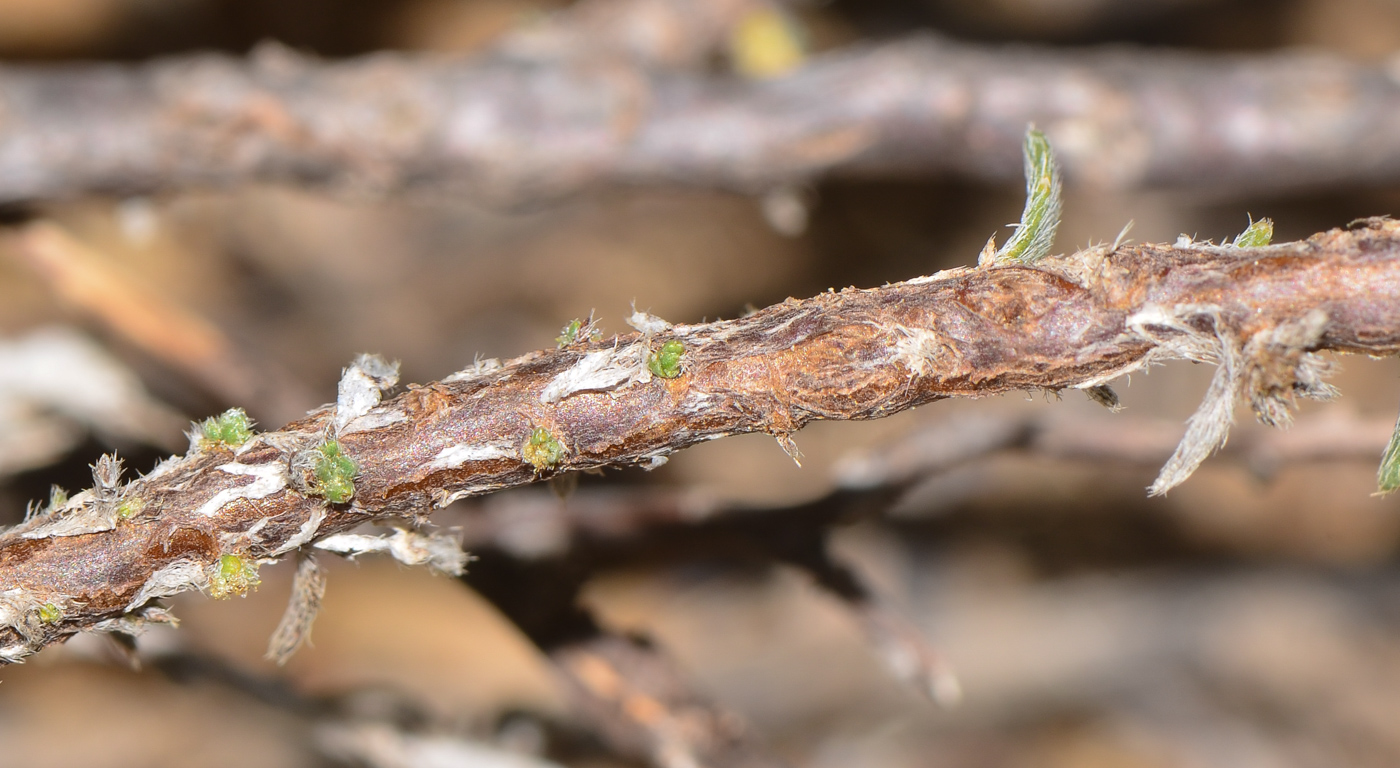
(542, 449)
(570, 333)
(1035, 234)
(1259, 234)
(231, 428)
(130, 507)
(335, 473)
(57, 497)
(1388, 478)
(50, 613)
(233, 576)
(667, 363)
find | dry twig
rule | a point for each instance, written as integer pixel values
(513, 129)
(536, 526)
(1337, 435)
(643, 706)
(205, 520)
(133, 311)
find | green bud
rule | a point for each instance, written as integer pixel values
(57, 498)
(569, 333)
(233, 576)
(1259, 234)
(334, 473)
(542, 449)
(231, 428)
(131, 507)
(666, 363)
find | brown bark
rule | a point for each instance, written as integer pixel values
(513, 130)
(1069, 321)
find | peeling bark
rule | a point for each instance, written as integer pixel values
(1069, 321)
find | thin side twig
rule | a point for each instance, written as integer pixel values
(103, 558)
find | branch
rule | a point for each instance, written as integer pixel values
(1061, 19)
(134, 311)
(513, 130)
(100, 559)
(537, 526)
(642, 706)
(626, 686)
(1336, 435)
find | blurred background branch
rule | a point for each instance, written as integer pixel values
(514, 130)
(698, 159)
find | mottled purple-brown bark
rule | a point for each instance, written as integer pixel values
(1069, 321)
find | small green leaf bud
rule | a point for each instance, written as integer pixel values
(130, 507)
(233, 576)
(231, 428)
(1259, 234)
(542, 449)
(334, 473)
(666, 363)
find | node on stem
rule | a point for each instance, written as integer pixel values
(231, 428)
(578, 330)
(1257, 235)
(666, 363)
(233, 576)
(129, 508)
(334, 473)
(542, 450)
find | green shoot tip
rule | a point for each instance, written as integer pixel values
(1259, 234)
(1035, 234)
(1388, 478)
